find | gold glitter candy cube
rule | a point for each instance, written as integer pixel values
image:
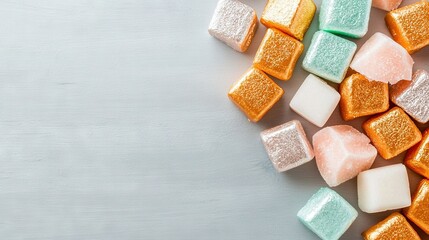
(418, 212)
(392, 133)
(290, 16)
(409, 25)
(361, 97)
(394, 226)
(278, 54)
(255, 93)
(234, 23)
(418, 156)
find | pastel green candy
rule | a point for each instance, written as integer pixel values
(346, 17)
(329, 56)
(327, 214)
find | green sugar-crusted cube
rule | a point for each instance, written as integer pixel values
(327, 214)
(346, 17)
(329, 56)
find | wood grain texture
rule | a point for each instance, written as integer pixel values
(115, 124)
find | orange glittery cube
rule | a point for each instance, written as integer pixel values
(361, 97)
(392, 132)
(290, 16)
(409, 25)
(418, 156)
(394, 226)
(418, 212)
(278, 54)
(255, 93)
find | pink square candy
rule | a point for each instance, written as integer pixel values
(382, 59)
(342, 152)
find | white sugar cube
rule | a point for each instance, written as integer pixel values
(384, 188)
(315, 100)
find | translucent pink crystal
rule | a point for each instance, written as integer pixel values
(382, 59)
(342, 152)
(386, 5)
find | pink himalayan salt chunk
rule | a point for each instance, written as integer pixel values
(382, 59)
(386, 5)
(342, 152)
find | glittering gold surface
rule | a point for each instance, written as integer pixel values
(278, 54)
(394, 226)
(255, 93)
(418, 156)
(361, 97)
(418, 212)
(290, 16)
(392, 132)
(409, 25)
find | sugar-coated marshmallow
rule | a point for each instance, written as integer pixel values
(287, 145)
(315, 100)
(342, 152)
(384, 188)
(327, 214)
(382, 59)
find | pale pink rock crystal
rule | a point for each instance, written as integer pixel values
(382, 59)
(342, 152)
(386, 5)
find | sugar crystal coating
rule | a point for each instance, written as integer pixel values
(278, 54)
(287, 145)
(345, 17)
(329, 56)
(327, 214)
(382, 59)
(392, 132)
(255, 93)
(342, 152)
(234, 23)
(315, 100)
(290, 16)
(409, 25)
(384, 188)
(361, 97)
(418, 212)
(413, 96)
(417, 157)
(394, 226)
(386, 5)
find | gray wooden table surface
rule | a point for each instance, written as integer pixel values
(114, 124)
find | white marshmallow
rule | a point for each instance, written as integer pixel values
(384, 188)
(315, 100)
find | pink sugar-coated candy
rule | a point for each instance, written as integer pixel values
(342, 152)
(382, 59)
(386, 5)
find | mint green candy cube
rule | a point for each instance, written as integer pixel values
(327, 214)
(345, 17)
(329, 56)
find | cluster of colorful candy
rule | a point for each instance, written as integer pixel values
(341, 152)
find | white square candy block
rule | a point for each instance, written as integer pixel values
(234, 23)
(413, 96)
(287, 146)
(327, 214)
(342, 152)
(384, 188)
(315, 100)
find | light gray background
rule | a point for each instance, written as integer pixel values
(115, 124)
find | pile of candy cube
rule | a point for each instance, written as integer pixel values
(380, 71)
